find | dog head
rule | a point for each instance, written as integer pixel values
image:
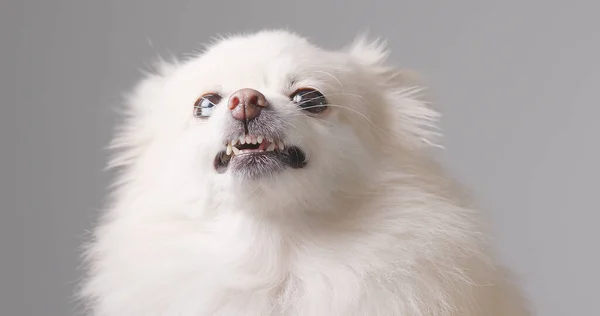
(270, 121)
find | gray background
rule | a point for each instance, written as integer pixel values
(517, 80)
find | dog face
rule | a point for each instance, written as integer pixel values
(269, 120)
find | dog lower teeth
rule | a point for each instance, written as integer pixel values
(236, 151)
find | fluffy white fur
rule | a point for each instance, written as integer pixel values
(371, 226)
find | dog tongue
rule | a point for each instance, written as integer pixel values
(263, 146)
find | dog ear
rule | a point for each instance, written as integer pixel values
(373, 54)
(403, 89)
(140, 114)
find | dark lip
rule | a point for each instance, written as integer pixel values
(255, 165)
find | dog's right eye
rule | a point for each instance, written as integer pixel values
(203, 107)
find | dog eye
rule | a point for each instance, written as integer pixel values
(309, 100)
(204, 105)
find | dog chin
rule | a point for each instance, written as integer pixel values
(255, 164)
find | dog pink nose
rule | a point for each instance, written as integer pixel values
(246, 104)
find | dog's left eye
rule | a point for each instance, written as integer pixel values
(203, 107)
(309, 100)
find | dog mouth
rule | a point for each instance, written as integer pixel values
(253, 156)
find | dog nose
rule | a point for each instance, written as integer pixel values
(246, 104)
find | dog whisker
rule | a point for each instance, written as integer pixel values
(345, 108)
(332, 76)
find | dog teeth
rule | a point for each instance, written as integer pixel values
(252, 139)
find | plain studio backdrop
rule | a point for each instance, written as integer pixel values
(517, 81)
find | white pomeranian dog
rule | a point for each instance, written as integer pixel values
(269, 176)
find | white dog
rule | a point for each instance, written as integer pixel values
(268, 176)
